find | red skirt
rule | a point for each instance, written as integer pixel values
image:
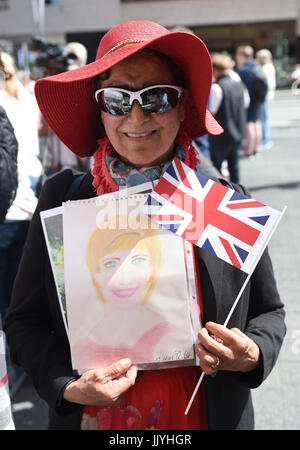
(157, 401)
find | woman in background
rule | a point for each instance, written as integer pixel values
(22, 111)
(264, 59)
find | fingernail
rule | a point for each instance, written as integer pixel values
(126, 362)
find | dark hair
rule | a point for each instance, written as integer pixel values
(102, 77)
(179, 77)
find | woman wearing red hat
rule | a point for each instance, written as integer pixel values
(139, 104)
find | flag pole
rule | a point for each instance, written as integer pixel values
(236, 302)
(225, 325)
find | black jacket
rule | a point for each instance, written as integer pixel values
(38, 342)
(231, 114)
(8, 164)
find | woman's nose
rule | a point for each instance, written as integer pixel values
(122, 276)
(137, 114)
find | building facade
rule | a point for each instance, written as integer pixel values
(222, 24)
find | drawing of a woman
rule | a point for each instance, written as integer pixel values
(124, 267)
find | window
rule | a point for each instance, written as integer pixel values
(53, 2)
(4, 4)
(133, 1)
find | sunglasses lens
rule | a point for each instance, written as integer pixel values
(155, 100)
(159, 100)
(114, 102)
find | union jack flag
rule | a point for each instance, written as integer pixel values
(232, 226)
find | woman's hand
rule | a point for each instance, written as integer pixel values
(222, 349)
(102, 386)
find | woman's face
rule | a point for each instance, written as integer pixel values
(123, 277)
(142, 139)
(240, 60)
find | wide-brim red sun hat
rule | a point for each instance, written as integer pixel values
(67, 100)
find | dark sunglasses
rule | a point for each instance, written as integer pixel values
(153, 99)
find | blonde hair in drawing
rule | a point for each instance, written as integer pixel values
(108, 240)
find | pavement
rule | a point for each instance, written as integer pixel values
(273, 179)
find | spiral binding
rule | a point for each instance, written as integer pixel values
(99, 200)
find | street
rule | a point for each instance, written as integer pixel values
(273, 179)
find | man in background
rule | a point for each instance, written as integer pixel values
(227, 104)
(255, 82)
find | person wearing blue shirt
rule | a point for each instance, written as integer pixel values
(246, 67)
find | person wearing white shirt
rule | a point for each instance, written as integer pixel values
(22, 111)
(217, 93)
(264, 59)
(228, 102)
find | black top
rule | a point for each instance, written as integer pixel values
(231, 114)
(8, 164)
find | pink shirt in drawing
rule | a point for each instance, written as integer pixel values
(87, 354)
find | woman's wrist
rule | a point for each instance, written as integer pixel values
(71, 392)
(253, 357)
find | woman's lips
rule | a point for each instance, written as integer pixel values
(140, 136)
(126, 292)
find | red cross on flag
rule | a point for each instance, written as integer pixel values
(218, 219)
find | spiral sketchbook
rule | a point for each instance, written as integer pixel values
(126, 286)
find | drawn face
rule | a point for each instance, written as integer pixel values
(123, 278)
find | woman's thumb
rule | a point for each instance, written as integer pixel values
(117, 368)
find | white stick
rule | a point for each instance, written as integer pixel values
(237, 299)
(225, 325)
(236, 302)
(194, 393)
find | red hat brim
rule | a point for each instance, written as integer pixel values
(68, 105)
